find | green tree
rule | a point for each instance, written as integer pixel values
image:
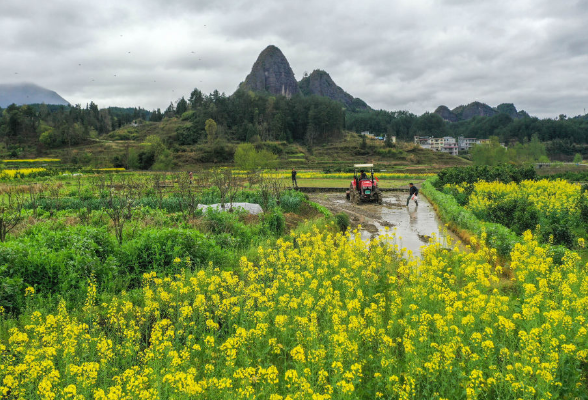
(163, 162)
(181, 107)
(210, 127)
(429, 124)
(155, 145)
(196, 99)
(489, 153)
(249, 159)
(578, 158)
(536, 148)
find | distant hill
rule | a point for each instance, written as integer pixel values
(28, 93)
(477, 109)
(320, 83)
(271, 73)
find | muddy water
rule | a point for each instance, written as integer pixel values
(412, 225)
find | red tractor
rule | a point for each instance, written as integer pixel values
(364, 188)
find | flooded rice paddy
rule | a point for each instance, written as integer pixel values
(413, 226)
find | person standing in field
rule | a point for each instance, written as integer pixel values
(191, 176)
(412, 194)
(294, 182)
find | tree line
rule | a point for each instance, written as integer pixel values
(564, 136)
(58, 125)
(246, 116)
(243, 117)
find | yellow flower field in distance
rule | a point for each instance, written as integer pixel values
(33, 160)
(17, 173)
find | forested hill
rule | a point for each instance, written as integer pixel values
(53, 126)
(247, 116)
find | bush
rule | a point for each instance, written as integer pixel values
(57, 261)
(228, 223)
(502, 173)
(291, 200)
(342, 221)
(156, 250)
(61, 261)
(517, 214)
(274, 222)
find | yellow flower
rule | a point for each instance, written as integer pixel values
(297, 354)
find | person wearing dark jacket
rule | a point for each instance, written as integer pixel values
(413, 192)
(294, 181)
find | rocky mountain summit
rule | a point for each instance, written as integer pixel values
(272, 73)
(477, 109)
(28, 93)
(320, 83)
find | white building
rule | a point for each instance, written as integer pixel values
(450, 146)
(445, 144)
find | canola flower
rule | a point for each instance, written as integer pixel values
(19, 173)
(556, 199)
(334, 175)
(320, 316)
(33, 160)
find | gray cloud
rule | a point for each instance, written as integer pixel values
(402, 55)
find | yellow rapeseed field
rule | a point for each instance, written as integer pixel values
(320, 316)
(334, 175)
(552, 198)
(18, 173)
(33, 160)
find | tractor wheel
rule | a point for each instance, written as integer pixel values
(347, 196)
(380, 200)
(357, 199)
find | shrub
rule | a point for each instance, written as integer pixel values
(60, 262)
(274, 222)
(502, 173)
(342, 221)
(156, 250)
(291, 200)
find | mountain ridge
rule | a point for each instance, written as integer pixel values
(28, 93)
(320, 83)
(272, 73)
(478, 109)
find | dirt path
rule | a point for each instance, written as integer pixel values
(415, 225)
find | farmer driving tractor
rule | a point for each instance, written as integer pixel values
(363, 188)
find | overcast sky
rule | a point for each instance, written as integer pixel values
(395, 55)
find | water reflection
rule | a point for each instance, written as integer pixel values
(413, 226)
